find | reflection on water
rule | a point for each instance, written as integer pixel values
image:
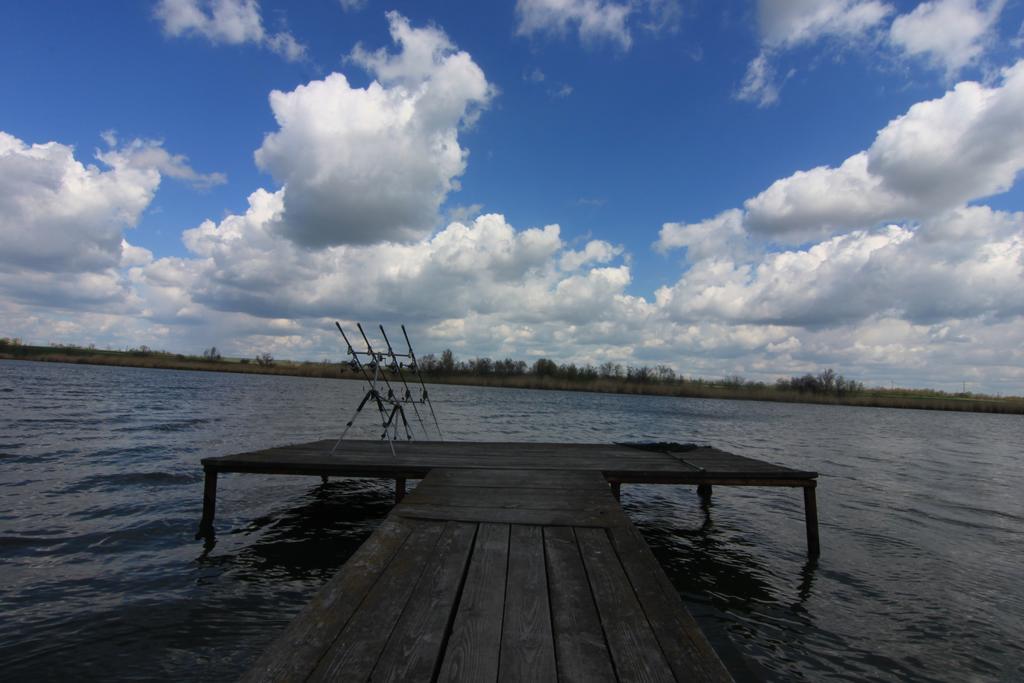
(101, 491)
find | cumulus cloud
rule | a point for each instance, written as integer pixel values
(363, 165)
(150, 154)
(598, 21)
(60, 215)
(950, 34)
(593, 20)
(787, 23)
(924, 275)
(965, 145)
(595, 251)
(479, 279)
(889, 265)
(231, 22)
(721, 236)
(62, 221)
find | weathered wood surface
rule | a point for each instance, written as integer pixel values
(415, 459)
(471, 600)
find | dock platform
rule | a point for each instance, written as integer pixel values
(509, 562)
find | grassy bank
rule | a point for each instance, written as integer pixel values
(877, 398)
(732, 388)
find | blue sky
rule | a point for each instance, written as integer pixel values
(690, 153)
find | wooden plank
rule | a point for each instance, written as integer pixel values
(294, 654)
(415, 468)
(355, 652)
(502, 478)
(650, 477)
(582, 653)
(474, 646)
(485, 453)
(413, 653)
(511, 498)
(686, 649)
(527, 646)
(633, 645)
(599, 517)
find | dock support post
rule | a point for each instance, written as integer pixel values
(704, 491)
(399, 490)
(209, 502)
(323, 478)
(811, 518)
(616, 489)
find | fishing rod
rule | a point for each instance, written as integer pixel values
(376, 359)
(425, 397)
(360, 367)
(398, 368)
(396, 404)
(372, 392)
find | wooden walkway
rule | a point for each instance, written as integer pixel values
(508, 562)
(497, 575)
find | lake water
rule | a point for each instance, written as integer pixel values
(922, 524)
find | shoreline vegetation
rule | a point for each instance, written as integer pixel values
(826, 387)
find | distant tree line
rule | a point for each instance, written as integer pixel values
(826, 382)
(447, 364)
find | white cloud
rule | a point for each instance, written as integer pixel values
(892, 272)
(62, 221)
(758, 84)
(594, 20)
(561, 92)
(363, 165)
(59, 215)
(721, 236)
(924, 275)
(664, 15)
(132, 255)
(966, 145)
(231, 22)
(150, 154)
(951, 34)
(595, 251)
(786, 23)
(534, 76)
(484, 267)
(352, 5)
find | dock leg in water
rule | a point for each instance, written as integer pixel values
(323, 478)
(616, 489)
(209, 503)
(704, 491)
(399, 490)
(811, 518)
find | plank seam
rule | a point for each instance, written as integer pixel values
(423, 572)
(547, 585)
(597, 607)
(337, 634)
(639, 599)
(450, 624)
(341, 630)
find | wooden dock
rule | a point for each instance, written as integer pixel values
(509, 562)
